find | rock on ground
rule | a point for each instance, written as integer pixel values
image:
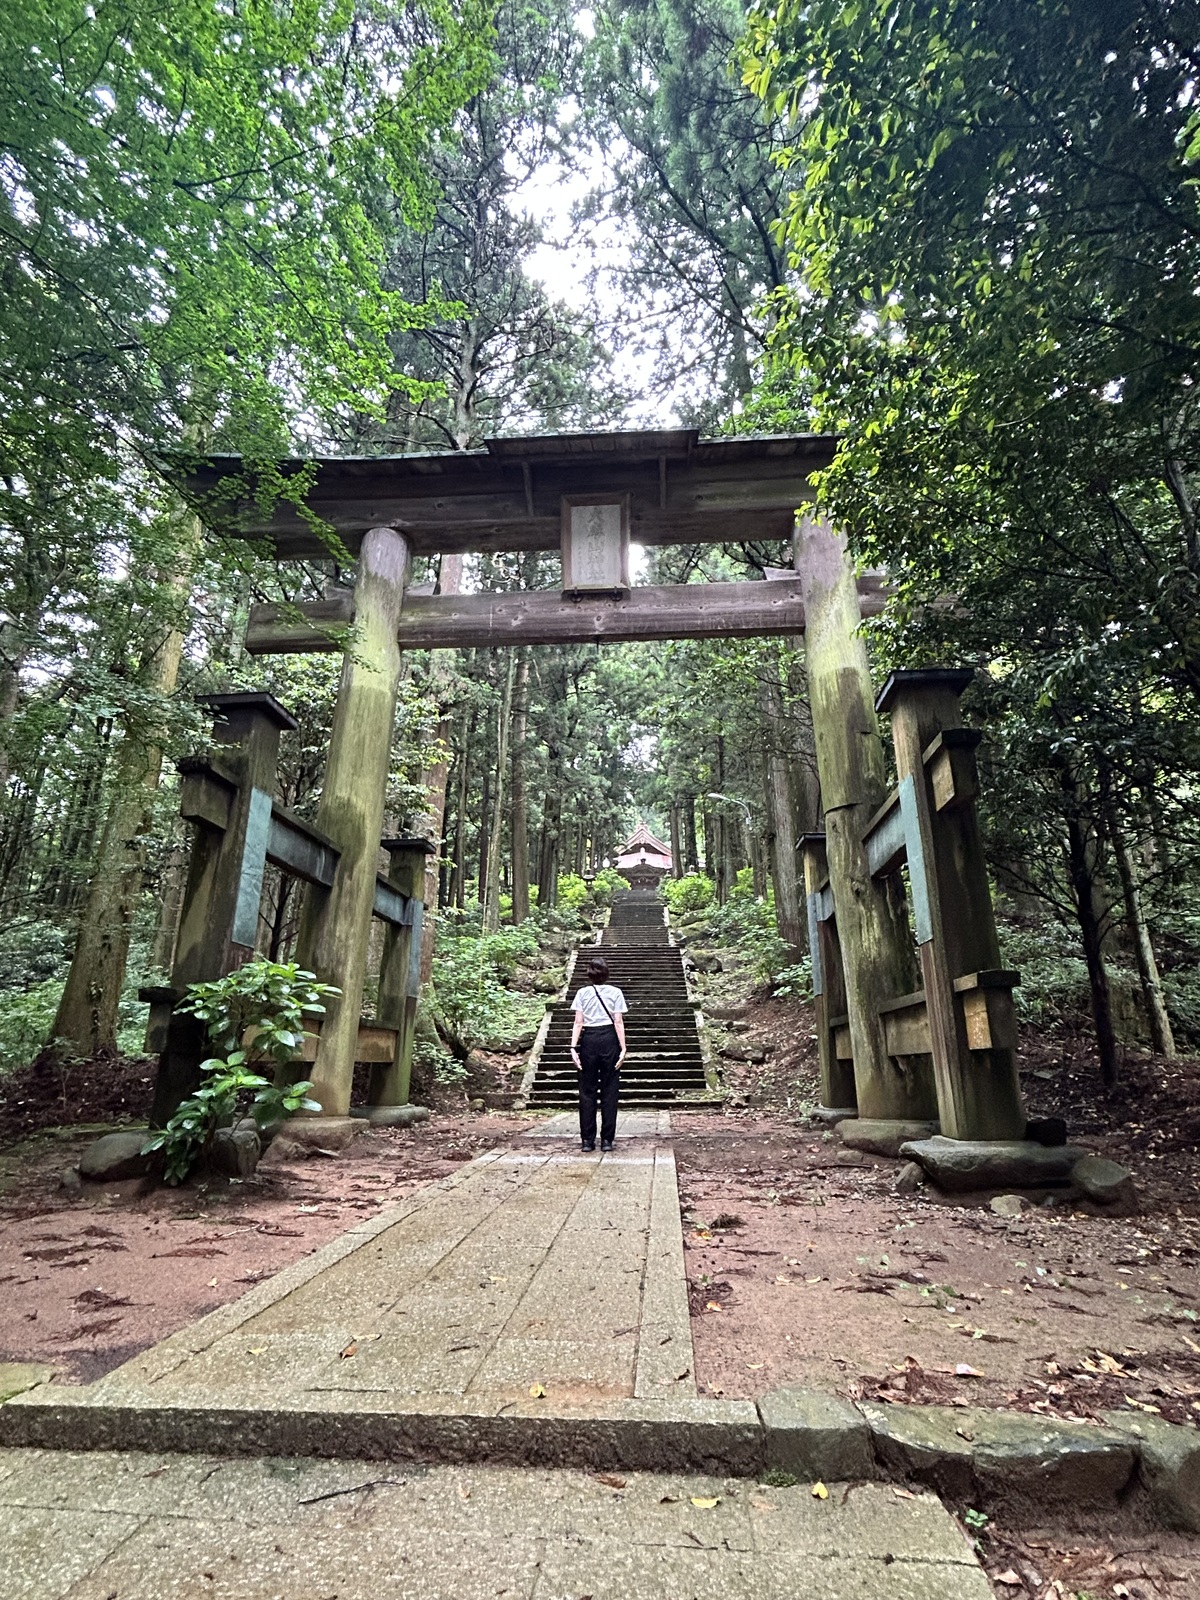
(882, 1136)
(235, 1152)
(1104, 1181)
(115, 1156)
(960, 1165)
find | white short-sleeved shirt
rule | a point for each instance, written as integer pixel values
(588, 1001)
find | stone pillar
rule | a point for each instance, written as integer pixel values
(228, 798)
(334, 938)
(828, 980)
(400, 970)
(968, 997)
(876, 945)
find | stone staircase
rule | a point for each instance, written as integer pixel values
(664, 1067)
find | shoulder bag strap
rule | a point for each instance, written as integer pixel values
(600, 997)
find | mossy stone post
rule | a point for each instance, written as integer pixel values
(335, 936)
(228, 798)
(828, 980)
(877, 956)
(400, 970)
(968, 996)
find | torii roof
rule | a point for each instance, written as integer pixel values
(508, 496)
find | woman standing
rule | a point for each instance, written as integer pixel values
(598, 1049)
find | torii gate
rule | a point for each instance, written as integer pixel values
(951, 1056)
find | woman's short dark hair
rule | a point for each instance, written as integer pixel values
(598, 969)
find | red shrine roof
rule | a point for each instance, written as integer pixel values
(643, 850)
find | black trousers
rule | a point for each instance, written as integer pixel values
(600, 1081)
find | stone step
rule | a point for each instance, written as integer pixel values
(664, 1066)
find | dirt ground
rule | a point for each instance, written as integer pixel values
(806, 1266)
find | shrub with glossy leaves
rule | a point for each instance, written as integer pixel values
(254, 1017)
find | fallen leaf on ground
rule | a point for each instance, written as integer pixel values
(1009, 1578)
(350, 1350)
(962, 1370)
(712, 1305)
(609, 1479)
(705, 1502)
(259, 1350)
(820, 1492)
(903, 1494)
(537, 1391)
(212, 1283)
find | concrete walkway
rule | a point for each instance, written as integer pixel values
(145, 1527)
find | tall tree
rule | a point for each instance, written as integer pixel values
(692, 186)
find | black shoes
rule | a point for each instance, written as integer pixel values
(605, 1144)
(590, 1144)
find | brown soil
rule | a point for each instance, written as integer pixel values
(805, 1266)
(90, 1279)
(1060, 1560)
(107, 1089)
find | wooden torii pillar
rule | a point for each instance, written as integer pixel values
(334, 939)
(877, 955)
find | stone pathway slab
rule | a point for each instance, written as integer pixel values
(529, 1270)
(167, 1527)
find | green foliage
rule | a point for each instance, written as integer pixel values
(189, 205)
(467, 994)
(795, 982)
(997, 307)
(747, 922)
(31, 951)
(693, 892)
(26, 1017)
(692, 186)
(255, 1017)
(572, 891)
(576, 893)
(1054, 980)
(606, 883)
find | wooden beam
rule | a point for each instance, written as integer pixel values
(509, 496)
(544, 616)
